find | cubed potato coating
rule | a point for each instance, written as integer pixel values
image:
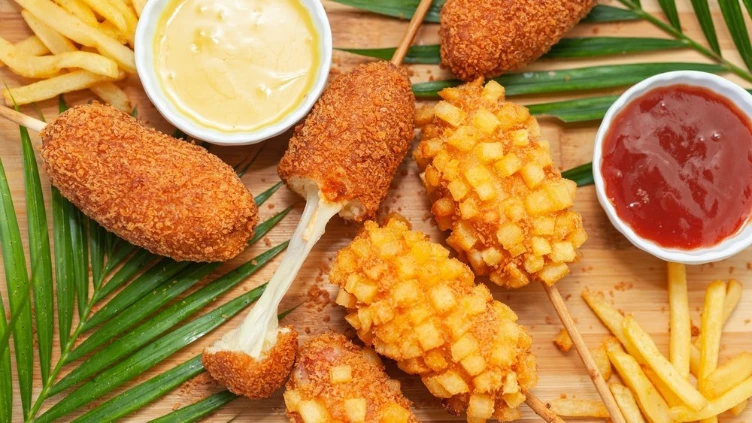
(505, 203)
(466, 347)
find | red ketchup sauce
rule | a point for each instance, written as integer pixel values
(677, 165)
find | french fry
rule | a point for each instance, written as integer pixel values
(138, 5)
(51, 88)
(109, 12)
(680, 324)
(131, 20)
(49, 66)
(739, 408)
(30, 46)
(53, 40)
(710, 331)
(76, 30)
(109, 29)
(661, 366)
(565, 407)
(610, 343)
(80, 10)
(600, 356)
(650, 401)
(113, 95)
(728, 375)
(725, 402)
(671, 399)
(610, 317)
(733, 296)
(626, 402)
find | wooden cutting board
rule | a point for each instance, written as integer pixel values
(633, 280)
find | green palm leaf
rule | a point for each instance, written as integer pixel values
(567, 48)
(603, 14)
(579, 110)
(97, 236)
(568, 80)
(40, 254)
(64, 276)
(164, 321)
(200, 409)
(732, 14)
(6, 383)
(17, 279)
(669, 9)
(149, 356)
(702, 11)
(157, 298)
(133, 266)
(748, 5)
(78, 222)
(583, 174)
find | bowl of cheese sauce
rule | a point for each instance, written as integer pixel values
(673, 167)
(233, 72)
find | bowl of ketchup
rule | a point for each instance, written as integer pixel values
(673, 166)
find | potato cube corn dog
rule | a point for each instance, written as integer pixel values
(335, 380)
(493, 183)
(415, 305)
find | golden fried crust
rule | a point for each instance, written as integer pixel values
(311, 381)
(243, 375)
(414, 304)
(356, 136)
(165, 195)
(484, 38)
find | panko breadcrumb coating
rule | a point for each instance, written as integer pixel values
(485, 38)
(168, 196)
(352, 142)
(244, 375)
(415, 305)
(337, 381)
(493, 183)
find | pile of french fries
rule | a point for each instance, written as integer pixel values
(689, 384)
(77, 44)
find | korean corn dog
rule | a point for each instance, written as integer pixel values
(415, 305)
(335, 380)
(168, 196)
(493, 183)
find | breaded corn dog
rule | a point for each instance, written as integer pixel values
(335, 380)
(415, 305)
(493, 183)
(342, 160)
(168, 196)
(485, 38)
(352, 143)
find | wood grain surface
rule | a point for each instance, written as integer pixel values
(633, 280)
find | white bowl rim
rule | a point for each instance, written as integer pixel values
(742, 99)
(144, 52)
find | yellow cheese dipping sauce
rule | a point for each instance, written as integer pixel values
(236, 65)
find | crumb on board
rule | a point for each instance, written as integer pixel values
(695, 330)
(563, 341)
(623, 286)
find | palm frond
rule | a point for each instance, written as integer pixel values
(17, 279)
(97, 236)
(582, 175)
(604, 14)
(702, 11)
(200, 409)
(78, 223)
(64, 276)
(567, 48)
(568, 80)
(669, 9)
(732, 14)
(578, 110)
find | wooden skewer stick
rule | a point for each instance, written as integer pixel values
(412, 29)
(21, 119)
(600, 384)
(541, 409)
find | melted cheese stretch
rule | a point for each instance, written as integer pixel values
(236, 65)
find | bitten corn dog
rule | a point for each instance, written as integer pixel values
(493, 183)
(415, 305)
(168, 196)
(342, 159)
(335, 380)
(484, 38)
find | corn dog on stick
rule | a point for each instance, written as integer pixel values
(335, 380)
(415, 305)
(493, 183)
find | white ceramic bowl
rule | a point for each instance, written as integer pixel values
(736, 95)
(145, 65)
